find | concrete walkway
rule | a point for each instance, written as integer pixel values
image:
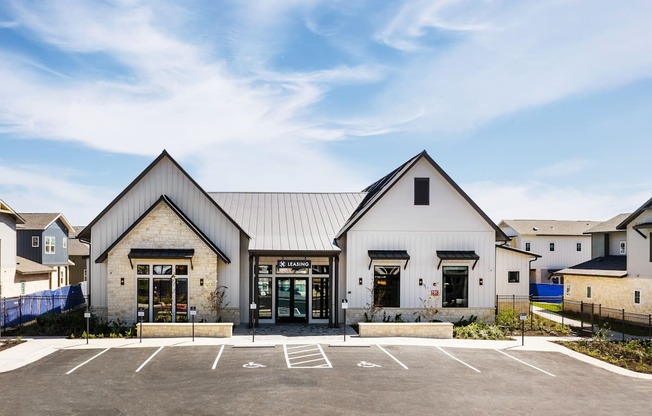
(38, 347)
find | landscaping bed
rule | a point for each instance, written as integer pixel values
(8, 343)
(635, 355)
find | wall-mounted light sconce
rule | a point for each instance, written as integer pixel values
(420, 282)
(122, 281)
(360, 281)
(481, 281)
(201, 282)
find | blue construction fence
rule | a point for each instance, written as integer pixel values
(25, 308)
(547, 290)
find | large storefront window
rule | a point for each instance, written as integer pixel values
(456, 287)
(387, 286)
(162, 292)
(265, 292)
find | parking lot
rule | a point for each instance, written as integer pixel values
(316, 379)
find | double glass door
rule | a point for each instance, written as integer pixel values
(292, 299)
(163, 299)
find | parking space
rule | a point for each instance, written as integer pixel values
(312, 378)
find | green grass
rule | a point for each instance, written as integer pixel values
(552, 307)
(635, 355)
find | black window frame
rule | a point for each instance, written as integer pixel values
(527, 247)
(387, 286)
(552, 246)
(513, 276)
(455, 289)
(578, 247)
(422, 191)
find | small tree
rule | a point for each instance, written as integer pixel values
(216, 301)
(428, 308)
(371, 309)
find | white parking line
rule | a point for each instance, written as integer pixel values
(392, 357)
(529, 365)
(88, 361)
(148, 360)
(458, 360)
(217, 358)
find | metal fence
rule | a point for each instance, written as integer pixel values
(19, 310)
(588, 318)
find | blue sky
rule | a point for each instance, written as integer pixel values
(536, 109)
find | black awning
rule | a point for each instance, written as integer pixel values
(642, 226)
(161, 253)
(388, 255)
(457, 255)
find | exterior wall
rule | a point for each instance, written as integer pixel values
(507, 261)
(164, 229)
(57, 230)
(77, 271)
(617, 293)
(7, 254)
(33, 283)
(213, 330)
(448, 223)
(164, 178)
(614, 242)
(417, 330)
(639, 254)
(24, 245)
(565, 254)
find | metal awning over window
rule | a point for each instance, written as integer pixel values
(388, 255)
(161, 253)
(642, 226)
(457, 255)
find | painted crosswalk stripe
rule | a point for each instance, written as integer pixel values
(301, 356)
(88, 361)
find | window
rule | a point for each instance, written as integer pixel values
(35, 241)
(552, 246)
(527, 246)
(421, 191)
(456, 286)
(85, 274)
(588, 292)
(162, 292)
(49, 245)
(513, 277)
(623, 247)
(387, 286)
(637, 297)
(568, 289)
(265, 269)
(64, 242)
(22, 288)
(579, 246)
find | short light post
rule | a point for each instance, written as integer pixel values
(252, 308)
(141, 314)
(193, 312)
(345, 306)
(87, 315)
(523, 318)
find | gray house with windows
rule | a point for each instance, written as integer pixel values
(43, 239)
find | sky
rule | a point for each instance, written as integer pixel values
(537, 109)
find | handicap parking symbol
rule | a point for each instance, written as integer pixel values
(365, 364)
(252, 364)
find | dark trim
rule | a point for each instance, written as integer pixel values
(623, 225)
(457, 255)
(388, 255)
(330, 289)
(381, 188)
(336, 305)
(181, 215)
(294, 253)
(86, 232)
(516, 250)
(161, 253)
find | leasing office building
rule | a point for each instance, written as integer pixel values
(164, 244)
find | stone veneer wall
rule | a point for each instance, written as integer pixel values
(611, 292)
(173, 330)
(418, 330)
(488, 315)
(163, 229)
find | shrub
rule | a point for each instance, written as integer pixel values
(478, 330)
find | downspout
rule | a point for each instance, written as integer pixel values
(251, 283)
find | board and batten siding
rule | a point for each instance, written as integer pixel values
(163, 179)
(507, 261)
(7, 252)
(639, 252)
(422, 248)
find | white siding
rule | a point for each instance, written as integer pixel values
(638, 248)
(565, 254)
(164, 178)
(614, 242)
(422, 248)
(507, 261)
(7, 254)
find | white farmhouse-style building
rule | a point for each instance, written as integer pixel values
(559, 243)
(412, 238)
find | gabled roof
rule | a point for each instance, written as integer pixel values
(75, 246)
(85, 234)
(6, 209)
(164, 199)
(516, 250)
(289, 221)
(549, 227)
(623, 225)
(379, 188)
(608, 266)
(608, 226)
(41, 221)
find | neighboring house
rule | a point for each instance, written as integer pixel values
(620, 274)
(43, 239)
(8, 221)
(31, 277)
(559, 243)
(164, 244)
(513, 270)
(78, 253)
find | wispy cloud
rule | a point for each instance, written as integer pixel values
(562, 168)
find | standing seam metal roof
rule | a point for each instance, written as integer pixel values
(289, 221)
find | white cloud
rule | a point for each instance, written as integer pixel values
(562, 168)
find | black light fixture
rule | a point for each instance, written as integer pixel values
(420, 282)
(201, 282)
(122, 281)
(360, 281)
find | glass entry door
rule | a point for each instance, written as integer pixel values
(291, 299)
